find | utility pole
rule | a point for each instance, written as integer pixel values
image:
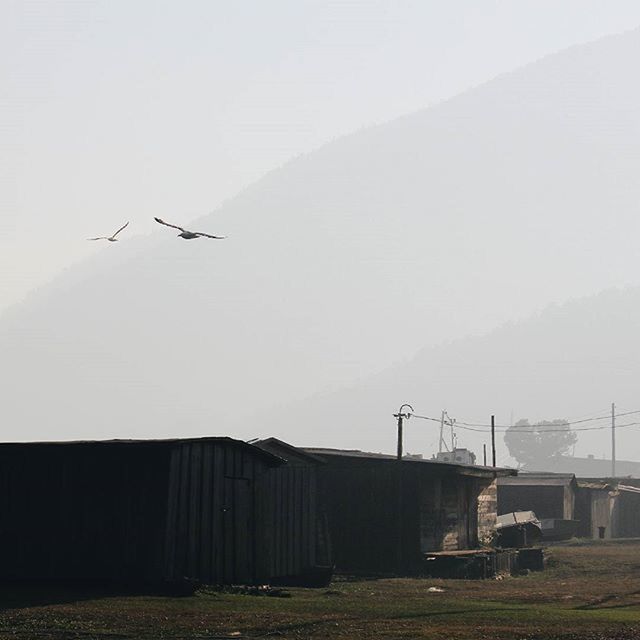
(446, 420)
(450, 422)
(399, 487)
(493, 440)
(613, 440)
(484, 454)
(401, 416)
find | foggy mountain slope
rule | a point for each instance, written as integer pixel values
(439, 224)
(569, 361)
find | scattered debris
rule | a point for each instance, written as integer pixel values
(246, 590)
(482, 563)
(518, 529)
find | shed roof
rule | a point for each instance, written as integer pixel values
(287, 451)
(541, 479)
(595, 486)
(384, 458)
(628, 488)
(161, 442)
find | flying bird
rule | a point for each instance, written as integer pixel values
(113, 237)
(188, 235)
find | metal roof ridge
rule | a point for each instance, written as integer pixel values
(150, 441)
(456, 466)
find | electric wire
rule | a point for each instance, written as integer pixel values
(539, 429)
(569, 422)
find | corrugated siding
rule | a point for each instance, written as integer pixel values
(451, 503)
(583, 512)
(374, 516)
(449, 513)
(431, 521)
(382, 516)
(627, 515)
(82, 512)
(292, 519)
(215, 526)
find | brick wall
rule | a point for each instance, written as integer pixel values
(487, 509)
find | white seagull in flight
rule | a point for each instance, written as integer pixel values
(188, 235)
(113, 237)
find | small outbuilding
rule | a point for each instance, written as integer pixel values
(385, 514)
(595, 509)
(626, 509)
(551, 496)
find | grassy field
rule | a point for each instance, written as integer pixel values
(588, 592)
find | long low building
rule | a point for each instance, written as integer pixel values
(221, 511)
(385, 514)
(211, 510)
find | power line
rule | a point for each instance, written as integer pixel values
(569, 422)
(541, 429)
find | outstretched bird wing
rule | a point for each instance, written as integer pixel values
(166, 224)
(206, 235)
(99, 238)
(120, 229)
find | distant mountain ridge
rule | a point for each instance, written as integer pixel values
(441, 224)
(565, 362)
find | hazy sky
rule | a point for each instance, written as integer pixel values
(115, 111)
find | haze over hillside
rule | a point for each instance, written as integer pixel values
(448, 222)
(569, 361)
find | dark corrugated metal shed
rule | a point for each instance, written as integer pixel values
(132, 510)
(299, 537)
(217, 520)
(384, 514)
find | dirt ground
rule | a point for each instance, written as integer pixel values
(588, 592)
